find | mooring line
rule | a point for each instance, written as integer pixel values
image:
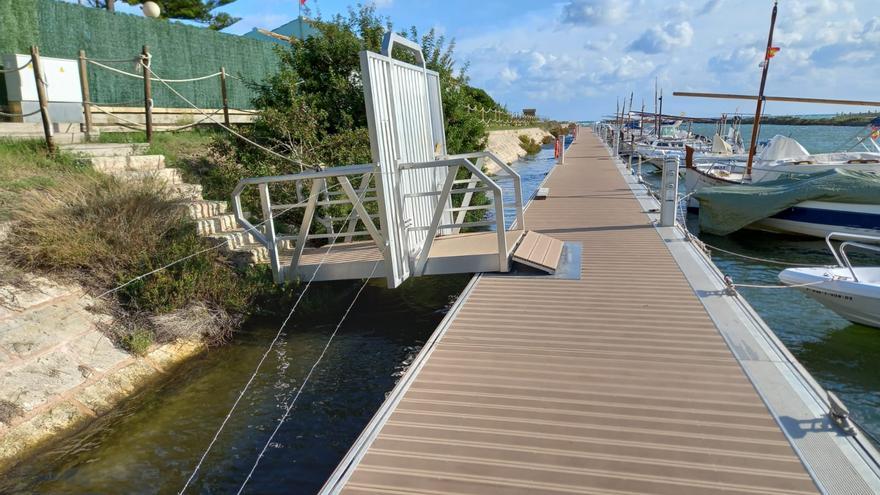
(268, 350)
(306, 379)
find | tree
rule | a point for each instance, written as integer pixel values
(313, 110)
(193, 10)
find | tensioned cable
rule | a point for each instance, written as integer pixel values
(308, 376)
(217, 246)
(179, 260)
(124, 120)
(221, 125)
(265, 355)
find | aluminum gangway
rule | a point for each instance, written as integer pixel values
(403, 215)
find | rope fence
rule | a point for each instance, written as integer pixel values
(502, 117)
(17, 69)
(140, 72)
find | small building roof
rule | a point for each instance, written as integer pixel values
(299, 28)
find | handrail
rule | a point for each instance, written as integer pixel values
(842, 259)
(517, 182)
(268, 238)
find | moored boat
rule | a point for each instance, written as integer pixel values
(851, 292)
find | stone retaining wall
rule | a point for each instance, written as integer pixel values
(506, 144)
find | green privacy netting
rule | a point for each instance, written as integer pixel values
(726, 209)
(179, 51)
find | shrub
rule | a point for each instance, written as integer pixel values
(529, 145)
(102, 233)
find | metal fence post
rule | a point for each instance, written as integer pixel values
(86, 97)
(669, 191)
(39, 77)
(148, 94)
(223, 95)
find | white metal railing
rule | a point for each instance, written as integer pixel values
(839, 252)
(323, 185)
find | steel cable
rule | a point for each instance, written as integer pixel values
(268, 350)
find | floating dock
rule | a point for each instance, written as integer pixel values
(639, 374)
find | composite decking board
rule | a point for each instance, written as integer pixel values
(615, 383)
(539, 251)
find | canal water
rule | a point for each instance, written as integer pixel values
(152, 443)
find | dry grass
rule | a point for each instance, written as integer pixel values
(91, 230)
(197, 321)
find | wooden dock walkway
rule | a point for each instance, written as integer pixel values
(618, 382)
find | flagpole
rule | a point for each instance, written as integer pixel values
(756, 127)
(300, 17)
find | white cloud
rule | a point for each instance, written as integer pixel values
(664, 38)
(508, 75)
(596, 12)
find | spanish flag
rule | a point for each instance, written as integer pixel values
(772, 51)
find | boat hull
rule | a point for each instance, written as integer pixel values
(858, 302)
(808, 218)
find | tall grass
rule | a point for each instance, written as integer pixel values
(101, 232)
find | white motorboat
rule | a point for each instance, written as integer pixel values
(851, 292)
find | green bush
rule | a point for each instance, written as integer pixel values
(102, 233)
(529, 145)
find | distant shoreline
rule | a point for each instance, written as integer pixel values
(855, 120)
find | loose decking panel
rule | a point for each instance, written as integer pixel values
(615, 383)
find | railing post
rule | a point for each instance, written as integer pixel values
(669, 191)
(272, 244)
(39, 77)
(148, 94)
(640, 168)
(84, 88)
(223, 95)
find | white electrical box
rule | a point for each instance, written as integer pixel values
(62, 88)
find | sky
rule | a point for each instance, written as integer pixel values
(572, 59)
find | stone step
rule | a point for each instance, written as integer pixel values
(108, 164)
(204, 209)
(168, 176)
(235, 238)
(106, 149)
(216, 224)
(191, 192)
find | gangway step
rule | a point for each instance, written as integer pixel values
(539, 251)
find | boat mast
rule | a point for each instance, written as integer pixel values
(756, 127)
(629, 115)
(642, 120)
(660, 115)
(656, 115)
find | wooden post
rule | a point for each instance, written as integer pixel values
(84, 87)
(148, 94)
(41, 95)
(223, 95)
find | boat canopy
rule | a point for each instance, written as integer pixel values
(726, 209)
(721, 146)
(783, 148)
